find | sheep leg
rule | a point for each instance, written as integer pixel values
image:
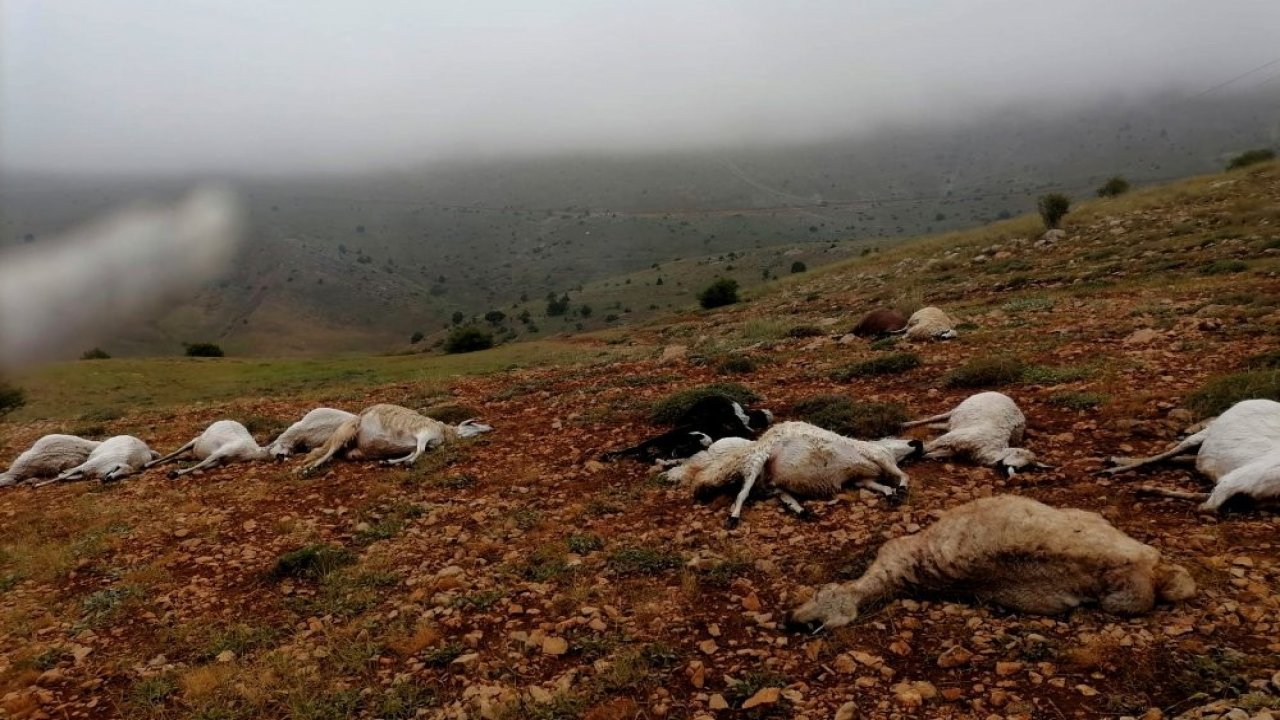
(1190, 443)
(211, 461)
(1180, 495)
(424, 439)
(873, 485)
(928, 421)
(750, 473)
(790, 502)
(170, 456)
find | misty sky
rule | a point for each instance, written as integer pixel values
(324, 85)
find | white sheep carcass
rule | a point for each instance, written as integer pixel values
(930, 323)
(308, 433)
(49, 456)
(388, 431)
(1016, 553)
(795, 458)
(984, 428)
(222, 442)
(1239, 450)
(114, 458)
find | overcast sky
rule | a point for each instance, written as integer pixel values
(325, 85)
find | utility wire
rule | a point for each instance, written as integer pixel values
(1241, 76)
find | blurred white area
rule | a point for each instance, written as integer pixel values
(65, 294)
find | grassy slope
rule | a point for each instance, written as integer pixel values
(468, 556)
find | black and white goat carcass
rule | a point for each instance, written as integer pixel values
(712, 418)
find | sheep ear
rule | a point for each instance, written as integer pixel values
(1010, 470)
(1043, 466)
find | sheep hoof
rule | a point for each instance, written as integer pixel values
(731, 522)
(806, 515)
(172, 475)
(807, 628)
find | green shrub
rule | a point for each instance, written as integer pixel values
(736, 365)
(639, 560)
(1054, 375)
(467, 338)
(1264, 361)
(885, 343)
(1224, 267)
(984, 372)
(1053, 207)
(202, 349)
(583, 543)
(312, 561)
(798, 267)
(1113, 187)
(804, 331)
(1077, 400)
(451, 413)
(416, 337)
(95, 354)
(724, 291)
(840, 414)
(1251, 157)
(1222, 392)
(12, 397)
(890, 364)
(669, 410)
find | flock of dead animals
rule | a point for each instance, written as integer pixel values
(1008, 550)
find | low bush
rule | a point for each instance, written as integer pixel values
(985, 372)
(95, 354)
(890, 364)
(840, 414)
(1222, 392)
(451, 413)
(723, 291)
(312, 561)
(12, 397)
(467, 338)
(202, 349)
(1251, 157)
(805, 331)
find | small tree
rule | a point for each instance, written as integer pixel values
(585, 311)
(416, 337)
(724, 291)
(1251, 157)
(798, 267)
(458, 317)
(557, 306)
(203, 349)
(495, 316)
(95, 354)
(1117, 185)
(12, 397)
(1052, 208)
(467, 338)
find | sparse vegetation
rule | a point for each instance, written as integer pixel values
(451, 413)
(1114, 187)
(1053, 207)
(1251, 157)
(1222, 392)
(642, 560)
(736, 365)
(312, 561)
(805, 331)
(891, 364)
(1081, 400)
(1224, 267)
(841, 414)
(723, 291)
(986, 372)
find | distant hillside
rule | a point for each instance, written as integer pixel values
(363, 263)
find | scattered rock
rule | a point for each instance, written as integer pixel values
(767, 696)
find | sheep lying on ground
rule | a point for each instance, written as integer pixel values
(223, 442)
(1239, 450)
(795, 458)
(49, 456)
(930, 323)
(981, 428)
(385, 431)
(308, 433)
(1013, 552)
(114, 458)
(880, 322)
(710, 419)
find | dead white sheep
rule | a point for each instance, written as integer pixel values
(308, 433)
(389, 431)
(1016, 553)
(929, 323)
(795, 458)
(983, 428)
(49, 456)
(116, 457)
(224, 441)
(1239, 450)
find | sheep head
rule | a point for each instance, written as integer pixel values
(832, 606)
(1013, 460)
(468, 428)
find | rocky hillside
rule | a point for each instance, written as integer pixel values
(514, 576)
